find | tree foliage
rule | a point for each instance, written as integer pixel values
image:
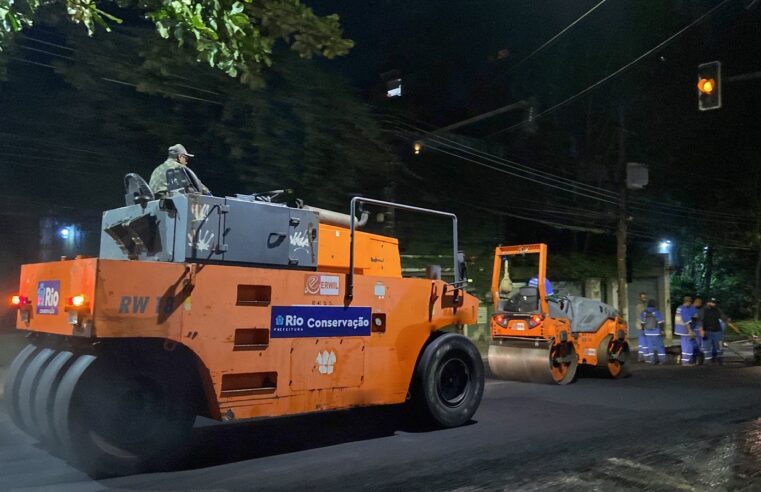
(236, 37)
(128, 96)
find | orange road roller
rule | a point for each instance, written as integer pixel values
(538, 336)
(230, 308)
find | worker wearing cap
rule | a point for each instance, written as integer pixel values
(651, 324)
(178, 157)
(713, 322)
(683, 328)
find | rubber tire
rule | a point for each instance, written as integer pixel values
(13, 381)
(445, 351)
(99, 430)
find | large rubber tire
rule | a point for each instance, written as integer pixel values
(448, 382)
(117, 415)
(27, 389)
(13, 381)
(46, 391)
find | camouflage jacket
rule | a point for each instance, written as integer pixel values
(158, 177)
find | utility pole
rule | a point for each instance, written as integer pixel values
(621, 230)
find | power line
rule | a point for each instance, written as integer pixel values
(708, 216)
(608, 77)
(519, 175)
(538, 50)
(639, 203)
(557, 36)
(433, 137)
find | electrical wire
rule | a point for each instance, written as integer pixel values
(557, 36)
(610, 76)
(639, 204)
(431, 136)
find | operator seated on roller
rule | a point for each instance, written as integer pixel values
(534, 282)
(178, 157)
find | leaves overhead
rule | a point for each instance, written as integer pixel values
(236, 37)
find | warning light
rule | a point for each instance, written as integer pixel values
(535, 320)
(19, 300)
(77, 301)
(501, 320)
(706, 86)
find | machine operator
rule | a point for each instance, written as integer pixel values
(178, 156)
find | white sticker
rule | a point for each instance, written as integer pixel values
(380, 289)
(322, 285)
(325, 361)
(520, 326)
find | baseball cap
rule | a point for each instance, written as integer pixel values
(177, 150)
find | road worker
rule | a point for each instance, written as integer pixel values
(651, 324)
(683, 329)
(642, 341)
(178, 157)
(534, 282)
(697, 343)
(713, 322)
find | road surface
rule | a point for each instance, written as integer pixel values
(666, 428)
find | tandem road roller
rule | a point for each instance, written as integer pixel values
(538, 337)
(230, 308)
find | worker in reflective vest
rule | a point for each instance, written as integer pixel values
(651, 323)
(641, 340)
(683, 328)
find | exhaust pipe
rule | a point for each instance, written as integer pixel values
(338, 219)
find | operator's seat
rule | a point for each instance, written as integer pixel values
(525, 301)
(136, 190)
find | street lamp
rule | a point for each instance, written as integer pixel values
(64, 232)
(664, 247)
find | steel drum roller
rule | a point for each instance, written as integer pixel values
(535, 361)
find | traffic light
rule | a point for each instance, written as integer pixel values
(709, 86)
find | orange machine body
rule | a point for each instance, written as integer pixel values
(224, 315)
(591, 348)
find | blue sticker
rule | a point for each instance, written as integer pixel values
(319, 321)
(48, 296)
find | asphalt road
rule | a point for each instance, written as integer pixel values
(665, 428)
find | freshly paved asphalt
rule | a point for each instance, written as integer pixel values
(665, 428)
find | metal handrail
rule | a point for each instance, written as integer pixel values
(352, 212)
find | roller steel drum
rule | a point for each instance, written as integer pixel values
(535, 361)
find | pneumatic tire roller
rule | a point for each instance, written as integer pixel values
(232, 309)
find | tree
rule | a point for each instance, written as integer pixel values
(236, 37)
(127, 97)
